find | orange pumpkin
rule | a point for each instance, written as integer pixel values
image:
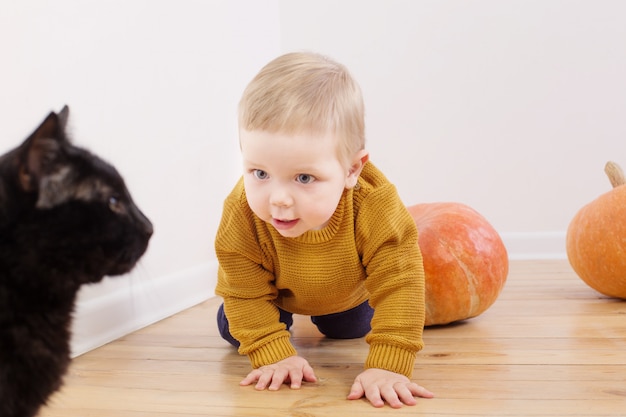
(596, 239)
(465, 261)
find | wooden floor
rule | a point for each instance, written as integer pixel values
(550, 346)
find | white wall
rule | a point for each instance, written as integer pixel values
(512, 107)
(152, 87)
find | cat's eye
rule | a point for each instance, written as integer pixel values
(115, 204)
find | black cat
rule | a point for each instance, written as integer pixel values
(66, 219)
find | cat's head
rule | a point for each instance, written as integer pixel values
(69, 209)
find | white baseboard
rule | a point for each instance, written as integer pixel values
(100, 320)
(535, 245)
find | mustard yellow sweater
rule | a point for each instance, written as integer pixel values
(368, 251)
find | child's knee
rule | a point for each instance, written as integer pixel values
(352, 324)
(224, 328)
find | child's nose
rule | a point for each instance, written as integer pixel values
(281, 197)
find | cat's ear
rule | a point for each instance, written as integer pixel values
(63, 115)
(42, 149)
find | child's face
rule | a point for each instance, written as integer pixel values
(293, 181)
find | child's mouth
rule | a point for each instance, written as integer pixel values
(284, 224)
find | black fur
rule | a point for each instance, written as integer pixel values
(66, 219)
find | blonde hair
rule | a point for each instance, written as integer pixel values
(306, 92)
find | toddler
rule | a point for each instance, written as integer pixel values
(314, 228)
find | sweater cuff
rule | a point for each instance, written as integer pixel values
(391, 358)
(272, 352)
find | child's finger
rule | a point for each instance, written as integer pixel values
(373, 394)
(266, 380)
(278, 377)
(403, 395)
(420, 391)
(389, 394)
(295, 377)
(251, 378)
(309, 374)
(356, 391)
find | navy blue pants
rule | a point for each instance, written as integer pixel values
(350, 324)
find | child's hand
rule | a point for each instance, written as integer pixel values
(293, 369)
(379, 385)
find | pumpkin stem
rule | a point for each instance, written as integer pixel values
(615, 174)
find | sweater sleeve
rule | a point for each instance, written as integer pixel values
(387, 236)
(246, 283)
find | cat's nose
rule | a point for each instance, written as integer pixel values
(148, 228)
(144, 223)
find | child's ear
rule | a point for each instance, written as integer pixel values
(356, 166)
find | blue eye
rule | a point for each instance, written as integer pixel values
(259, 174)
(305, 178)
